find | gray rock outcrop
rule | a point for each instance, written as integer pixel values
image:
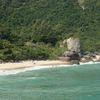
(73, 44)
(82, 3)
(74, 53)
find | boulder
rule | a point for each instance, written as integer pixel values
(66, 53)
(97, 58)
(74, 57)
(84, 60)
(75, 62)
(87, 58)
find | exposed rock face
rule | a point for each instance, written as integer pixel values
(74, 52)
(73, 57)
(73, 44)
(88, 58)
(97, 59)
(75, 62)
(82, 3)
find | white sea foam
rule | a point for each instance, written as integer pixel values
(16, 71)
(91, 62)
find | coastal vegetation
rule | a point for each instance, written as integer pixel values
(34, 29)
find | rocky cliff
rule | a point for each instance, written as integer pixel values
(73, 44)
(81, 3)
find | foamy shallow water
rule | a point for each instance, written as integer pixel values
(17, 71)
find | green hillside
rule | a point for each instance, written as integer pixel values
(32, 29)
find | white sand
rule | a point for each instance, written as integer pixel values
(35, 63)
(15, 68)
(18, 67)
(28, 64)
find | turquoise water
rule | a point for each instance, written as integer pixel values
(73, 83)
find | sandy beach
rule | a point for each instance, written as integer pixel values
(23, 66)
(36, 63)
(28, 64)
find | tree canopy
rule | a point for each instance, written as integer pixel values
(31, 29)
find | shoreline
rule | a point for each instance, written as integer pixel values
(30, 63)
(36, 63)
(24, 66)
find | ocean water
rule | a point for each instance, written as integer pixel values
(72, 83)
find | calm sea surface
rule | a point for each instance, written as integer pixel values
(73, 83)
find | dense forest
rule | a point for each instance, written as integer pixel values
(34, 29)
